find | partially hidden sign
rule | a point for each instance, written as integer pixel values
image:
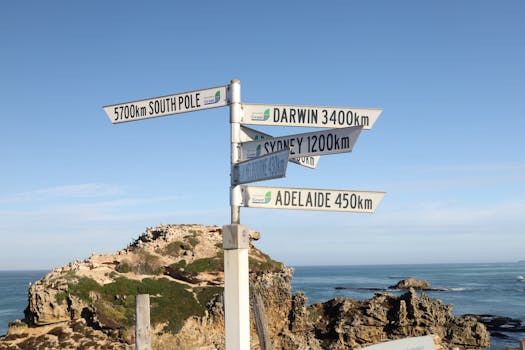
(414, 343)
(270, 166)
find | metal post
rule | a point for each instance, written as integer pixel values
(235, 123)
(236, 244)
(142, 323)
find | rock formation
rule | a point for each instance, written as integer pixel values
(90, 304)
(408, 283)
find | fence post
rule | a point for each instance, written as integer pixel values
(142, 323)
(261, 324)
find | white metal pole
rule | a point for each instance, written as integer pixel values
(236, 245)
(235, 122)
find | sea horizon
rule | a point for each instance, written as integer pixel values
(324, 265)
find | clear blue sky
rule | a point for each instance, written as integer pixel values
(448, 149)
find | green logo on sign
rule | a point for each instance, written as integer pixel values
(254, 153)
(261, 116)
(262, 199)
(213, 99)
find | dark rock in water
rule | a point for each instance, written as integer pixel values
(356, 288)
(411, 283)
(497, 324)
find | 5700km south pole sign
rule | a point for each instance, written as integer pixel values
(167, 105)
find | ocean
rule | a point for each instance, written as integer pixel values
(472, 288)
(13, 294)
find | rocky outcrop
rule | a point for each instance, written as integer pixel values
(90, 304)
(348, 324)
(408, 283)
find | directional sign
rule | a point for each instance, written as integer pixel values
(249, 134)
(167, 105)
(309, 116)
(309, 144)
(270, 166)
(309, 199)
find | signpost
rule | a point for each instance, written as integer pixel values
(256, 156)
(249, 134)
(270, 166)
(309, 116)
(309, 199)
(167, 105)
(309, 144)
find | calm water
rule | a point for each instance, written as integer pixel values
(13, 294)
(473, 288)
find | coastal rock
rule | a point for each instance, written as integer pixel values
(90, 304)
(349, 324)
(408, 283)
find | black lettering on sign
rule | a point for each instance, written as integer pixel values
(276, 115)
(292, 115)
(198, 99)
(278, 199)
(284, 117)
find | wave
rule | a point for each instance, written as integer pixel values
(375, 289)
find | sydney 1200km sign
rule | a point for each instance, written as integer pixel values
(308, 144)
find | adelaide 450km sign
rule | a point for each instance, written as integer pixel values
(310, 199)
(167, 105)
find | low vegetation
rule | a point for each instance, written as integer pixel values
(215, 263)
(114, 303)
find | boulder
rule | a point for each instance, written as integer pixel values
(408, 283)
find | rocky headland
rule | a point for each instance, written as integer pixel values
(90, 304)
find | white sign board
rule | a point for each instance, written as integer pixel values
(309, 116)
(309, 199)
(167, 105)
(270, 166)
(414, 343)
(301, 145)
(249, 134)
